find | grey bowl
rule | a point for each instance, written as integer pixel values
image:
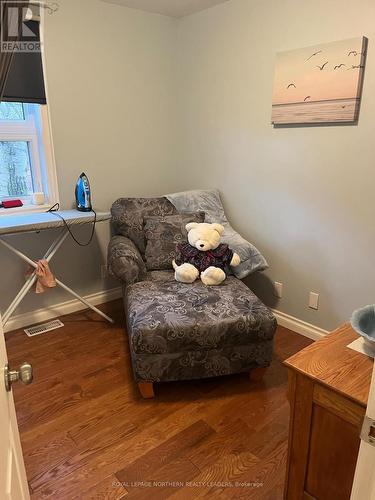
(363, 322)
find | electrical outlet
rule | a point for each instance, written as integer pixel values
(103, 271)
(278, 289)
(314, 300)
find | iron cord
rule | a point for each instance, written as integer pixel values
(54, 210)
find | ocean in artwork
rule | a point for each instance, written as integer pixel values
(319, 84)
(332, 110)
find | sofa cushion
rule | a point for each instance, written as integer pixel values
(128, 216)
(163, 234)
(166, 316)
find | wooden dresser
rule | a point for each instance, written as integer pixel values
(328, 390)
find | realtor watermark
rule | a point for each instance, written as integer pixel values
(187, 484)
(21, 24)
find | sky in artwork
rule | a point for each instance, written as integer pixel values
(298, 76)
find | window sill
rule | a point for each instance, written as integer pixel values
(26, 209)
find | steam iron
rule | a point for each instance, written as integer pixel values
(83, 194)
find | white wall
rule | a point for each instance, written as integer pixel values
(112, 88)
(303, 195)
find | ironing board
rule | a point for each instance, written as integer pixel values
(36, 222)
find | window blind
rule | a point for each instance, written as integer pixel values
(25, 81)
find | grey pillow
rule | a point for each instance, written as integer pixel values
(162, 235)
(128, 215)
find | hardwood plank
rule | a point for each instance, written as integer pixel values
(231, 467)
(264, 479)
(42, 455)
(196, 491)
(257, 374)
(269, 437)
(107, 489)
(98, 441)
(83, 418)
(115, 401)
(164, 481)
(166, 452)
(231, 438)
(267, 477)
(65, 398)
(92, 464)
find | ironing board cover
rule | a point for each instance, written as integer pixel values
(11, 224)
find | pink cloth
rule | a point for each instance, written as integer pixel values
(45, 278)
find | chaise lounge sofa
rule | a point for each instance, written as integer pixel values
(182, 331)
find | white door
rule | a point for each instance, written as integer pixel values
(13, 483)
(364, 478)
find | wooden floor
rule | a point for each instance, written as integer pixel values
(87, 434)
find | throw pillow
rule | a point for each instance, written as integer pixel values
(128, 215)
(162, 235)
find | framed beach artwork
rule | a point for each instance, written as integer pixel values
(319, 84)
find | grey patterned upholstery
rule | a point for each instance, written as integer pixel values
(184, 331)
(163, 234)
(128, 214)
(124, 260)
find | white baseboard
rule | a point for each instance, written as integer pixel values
(70, 306)
(297, 325)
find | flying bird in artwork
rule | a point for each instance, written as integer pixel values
(315, 54)
(338, 66)
(307, 97)
(291, 85)
(358, 66)
(354, 52)
(322, 67)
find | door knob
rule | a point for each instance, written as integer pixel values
(25, 374)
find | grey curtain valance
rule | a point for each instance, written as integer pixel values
(21, 73)
(25, 80)
(5, 57)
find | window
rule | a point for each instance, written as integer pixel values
(26, 160)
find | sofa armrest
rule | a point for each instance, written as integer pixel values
(124, 260)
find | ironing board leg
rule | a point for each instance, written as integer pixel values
(19, 297)
(84, 301)
(32, 278)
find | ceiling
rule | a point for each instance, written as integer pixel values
(172, 8)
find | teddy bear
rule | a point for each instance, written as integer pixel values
(204, 255)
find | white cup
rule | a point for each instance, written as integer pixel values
(38, 198)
